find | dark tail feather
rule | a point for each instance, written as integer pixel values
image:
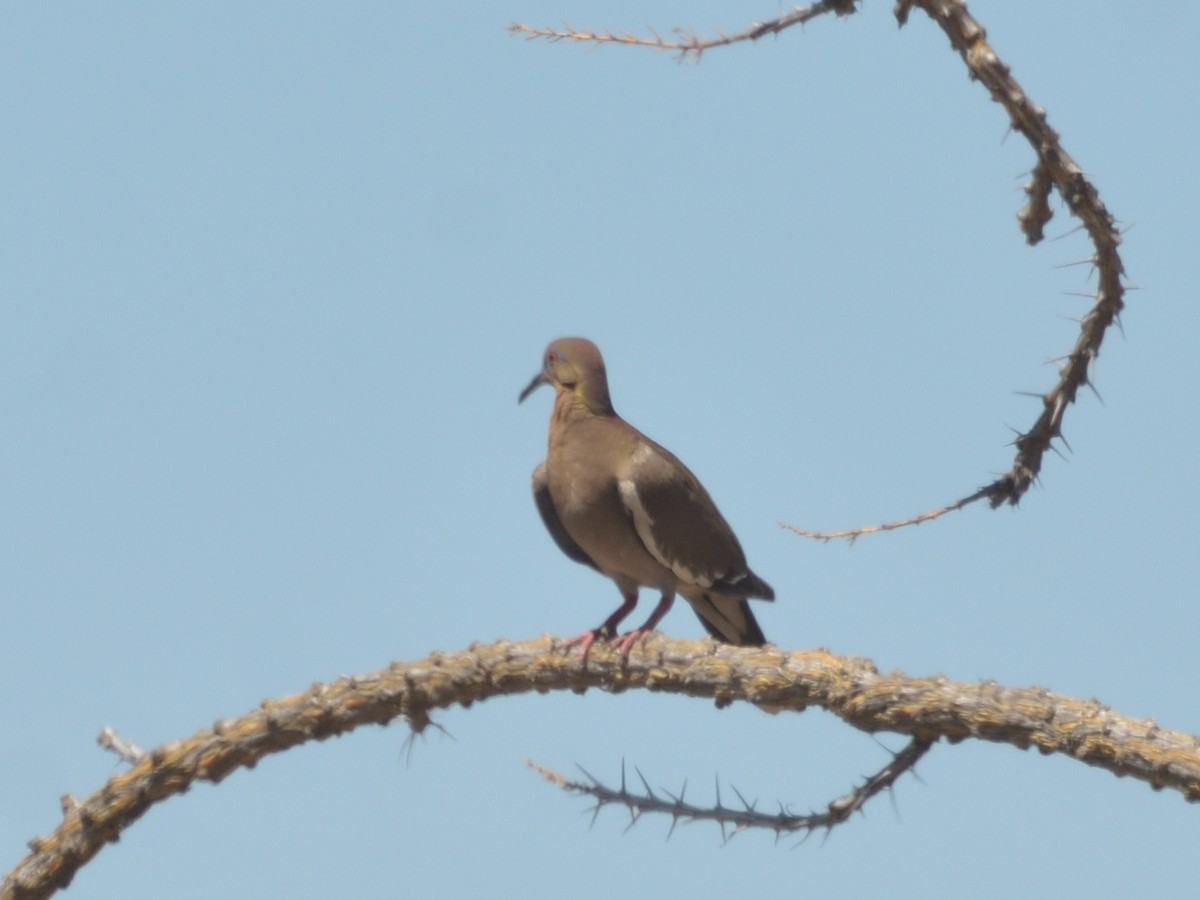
(728, 618)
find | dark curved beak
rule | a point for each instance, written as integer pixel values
(538, 380)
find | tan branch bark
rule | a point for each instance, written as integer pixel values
(849, 687)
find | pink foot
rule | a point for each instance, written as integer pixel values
(606, 631)
(585, 641)
(626, 641)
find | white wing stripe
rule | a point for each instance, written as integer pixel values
(644, 525)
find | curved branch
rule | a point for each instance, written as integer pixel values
(1054, 169)
(776, 680)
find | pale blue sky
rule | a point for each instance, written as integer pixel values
(272, 277)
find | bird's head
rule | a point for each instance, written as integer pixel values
(574, 366)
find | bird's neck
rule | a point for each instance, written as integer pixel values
(576, 403)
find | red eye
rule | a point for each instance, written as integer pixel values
(552, 356)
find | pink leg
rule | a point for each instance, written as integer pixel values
(625, 644)
(608, 629)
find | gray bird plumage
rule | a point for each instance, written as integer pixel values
(615, 500)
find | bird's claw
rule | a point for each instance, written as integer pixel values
(627, 640)
(624, 644)
(585, 640)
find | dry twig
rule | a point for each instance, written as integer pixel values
(688, 45)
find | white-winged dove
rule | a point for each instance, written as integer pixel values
(614, 500)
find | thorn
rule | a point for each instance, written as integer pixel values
(1087, 260)
(633, 817)
(1068, 233)
(748, 807)
(649, 790)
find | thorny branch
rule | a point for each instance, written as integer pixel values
(1054, 170)
(773, 679)
(733, 819)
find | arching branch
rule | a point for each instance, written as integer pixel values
(1054, 170)
(1057, 169)
(776, 680)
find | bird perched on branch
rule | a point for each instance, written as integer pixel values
(615, 500)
